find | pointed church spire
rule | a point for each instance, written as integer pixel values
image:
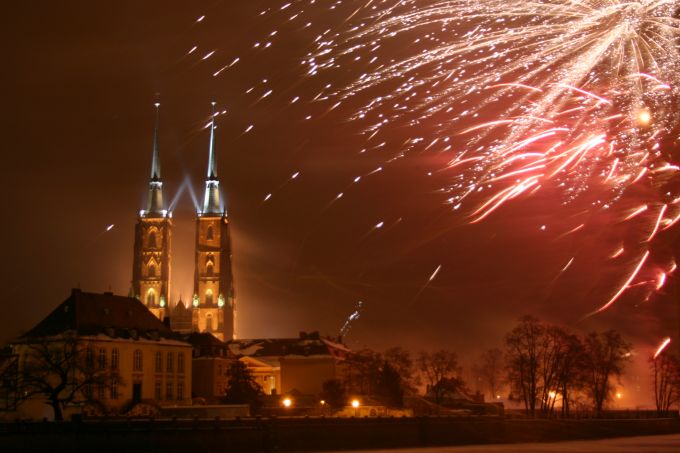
(154, 204)
(155, 158)
(212, 166)
(211, 199)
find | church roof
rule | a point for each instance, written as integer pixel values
(307, 344)
(93, 314)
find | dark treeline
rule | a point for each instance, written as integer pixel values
(546, 369)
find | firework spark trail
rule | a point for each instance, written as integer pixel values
(521, 95)
(578, 95)
(666, 341)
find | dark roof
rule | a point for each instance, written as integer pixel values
(308, 344)
(93, 314)
(207, 345)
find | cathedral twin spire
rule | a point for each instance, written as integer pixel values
(154, 205)
(211, 199)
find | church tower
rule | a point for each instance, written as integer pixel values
(214, 301)
(151, 261)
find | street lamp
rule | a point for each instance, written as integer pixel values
(355, 405)
(287, 402)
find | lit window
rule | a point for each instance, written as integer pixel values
(180, 391)
(102, 358)
(115, 357)
(180, 362)
(208, 323)
(209, 270)
(209, 297)
(137, 360)
(150, 297)
(159, 362)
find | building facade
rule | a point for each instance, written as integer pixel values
(115, 353)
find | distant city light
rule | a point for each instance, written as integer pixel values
(355, 404)
(287, 402)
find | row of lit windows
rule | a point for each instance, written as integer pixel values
(169, 362)
(102, 358)
(103, 392)
(138, 361)
(152, 241)
(170, 394)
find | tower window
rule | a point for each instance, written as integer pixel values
(208, 323)
(209, 297)
(209, 235)
(151, 298)
(209, 270)
(152, 240)
(152, 270)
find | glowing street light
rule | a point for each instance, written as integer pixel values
(355, 405)
(287, 402)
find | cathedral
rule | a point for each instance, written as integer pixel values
(213, 304)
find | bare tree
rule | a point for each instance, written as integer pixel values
(439, 368)
(572, 371)
(361, 372)
(523, 345)
(666, 381)
(490, 371)
(401, 361)
(605, 355)
(62, 370)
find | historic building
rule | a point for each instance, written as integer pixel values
(153, 232)
(213, 304)
(111, 351)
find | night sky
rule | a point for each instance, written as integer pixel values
(80, 85)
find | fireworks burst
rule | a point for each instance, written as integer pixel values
(577, 95)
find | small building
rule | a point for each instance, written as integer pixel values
(120, 354)
(210, 363)
(284, 365)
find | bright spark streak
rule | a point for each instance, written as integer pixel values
(434, 274)
(662, 346)
(110, 227)
(657, 223)
(625, 285)
(639, 210)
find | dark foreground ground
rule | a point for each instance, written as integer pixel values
(315, 434)
(646, 444)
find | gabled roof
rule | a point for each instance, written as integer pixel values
(94, 314)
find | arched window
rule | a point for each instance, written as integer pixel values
(209, 270)
(152, 240)
(209, 235)
(152, 270)
(137, 360)
(150, 297)
(208, 323)
(208, 297)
